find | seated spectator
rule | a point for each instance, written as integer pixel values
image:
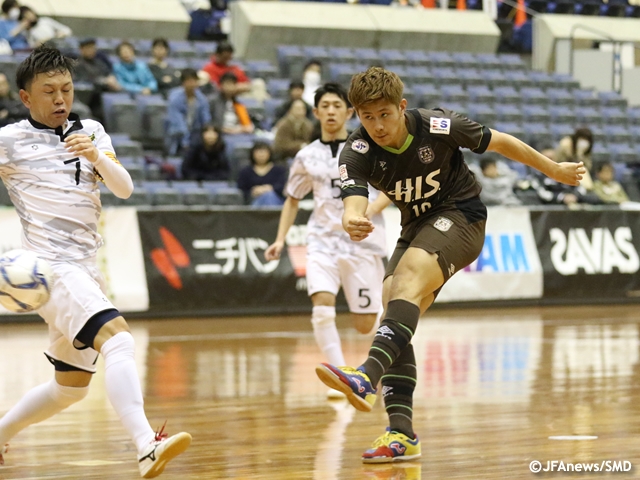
(497, 183)
(263, 181)
(12, 30)
(41, 29)
(133, 75)
(220, 65)
(187, 113)
(577, 148)
(226, 112)
(551, 192)
(95, 68)
(11, 108)
(296, 89)
(206, 158)
(292, 132)
(166, 76)
(312, 79)
(607, 189)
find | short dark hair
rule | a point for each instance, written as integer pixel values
(23, 10)
(228, 77)
(582, 132)
(125, 44)
(188, 74)
(296, 84)
(600, 165)
(486, 162)
(43, 59)
(87, 41)
(224, 47)
(160, 41)
(334, 88)
(8, 5)
(313, 61)
(260, 145)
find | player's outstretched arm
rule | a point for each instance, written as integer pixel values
(377, 206)
(115, 176)
(287, 217)
(567, 172)
(354, 221)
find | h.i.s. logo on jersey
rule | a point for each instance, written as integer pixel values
(418, 188)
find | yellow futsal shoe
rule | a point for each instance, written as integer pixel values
(397, 471)
(354, 383)
(160, 451)
(393, 447)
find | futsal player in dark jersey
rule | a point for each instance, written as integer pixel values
(414, 158)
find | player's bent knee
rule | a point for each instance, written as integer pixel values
(363, 322)
(66, 396)
(322, 315)
(109, 330)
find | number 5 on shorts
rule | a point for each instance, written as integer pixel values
(362, 293)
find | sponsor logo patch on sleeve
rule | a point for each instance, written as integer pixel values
(443, 224)
(360, 146)
(343, 172)
(440, 126)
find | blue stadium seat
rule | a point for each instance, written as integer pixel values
(481, 93)
(489, 61)
(600, 153)
(291, 60)
(223, 194)
(161, 193)
(511, 61)
(613, 116)
(152, 110)
(537, 133)
(496, 79)
(617, 134)
(588, 116)
(465, 60)
(261, 69)
(454, 94)
(633, 115)
(441, 59)
(471, 76)
(417, 58)
(125, 146)
(561, 114)
(560, 96)
(559, 130)
(621, 170)
(519, 78)
(565, 81)
(533, 96)
(179, 63)
(270, 107)
(622, 152)
(612, 99)
(204, 49)
(367, 55)
(635, 133)
(427, 95)
(317, 52)
(598, 133)
(456, 107)
(585, 98)
(121, 114)
(507, 94)
(342, 72)
(508, 113)
(392, 57)
(419, 74)
(192, 193)
(511, 128)
(535, 114)
(482, 113)
(520, 168)
(446, 76)
(342, 55)
(278, 87)
(542, 79)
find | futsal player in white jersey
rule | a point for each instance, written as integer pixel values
(333, 260)
(51, 164)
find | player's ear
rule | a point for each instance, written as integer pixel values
(350, 111)
(315, 113)
(25, 97)
(403, 105)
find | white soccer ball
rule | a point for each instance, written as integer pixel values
(25, 281)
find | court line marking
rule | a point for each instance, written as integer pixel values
(573, 437)
(229, 336)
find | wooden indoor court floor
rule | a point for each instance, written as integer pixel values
(494, 386)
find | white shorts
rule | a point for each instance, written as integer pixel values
(360, 276)
(78, 294)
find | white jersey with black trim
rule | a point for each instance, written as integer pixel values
(315, 168)
(55, 192)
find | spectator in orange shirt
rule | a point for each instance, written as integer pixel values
(221, 63)
(227, 113)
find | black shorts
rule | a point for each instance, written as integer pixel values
(455, 234)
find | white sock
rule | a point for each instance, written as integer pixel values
(323, 320)
(123, 388)
(38, 404)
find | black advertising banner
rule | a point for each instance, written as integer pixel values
(589, 255)
(212, 262)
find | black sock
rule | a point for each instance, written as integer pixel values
(393, 335)
(398, 384)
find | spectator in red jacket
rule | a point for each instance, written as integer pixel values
(221, 63)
